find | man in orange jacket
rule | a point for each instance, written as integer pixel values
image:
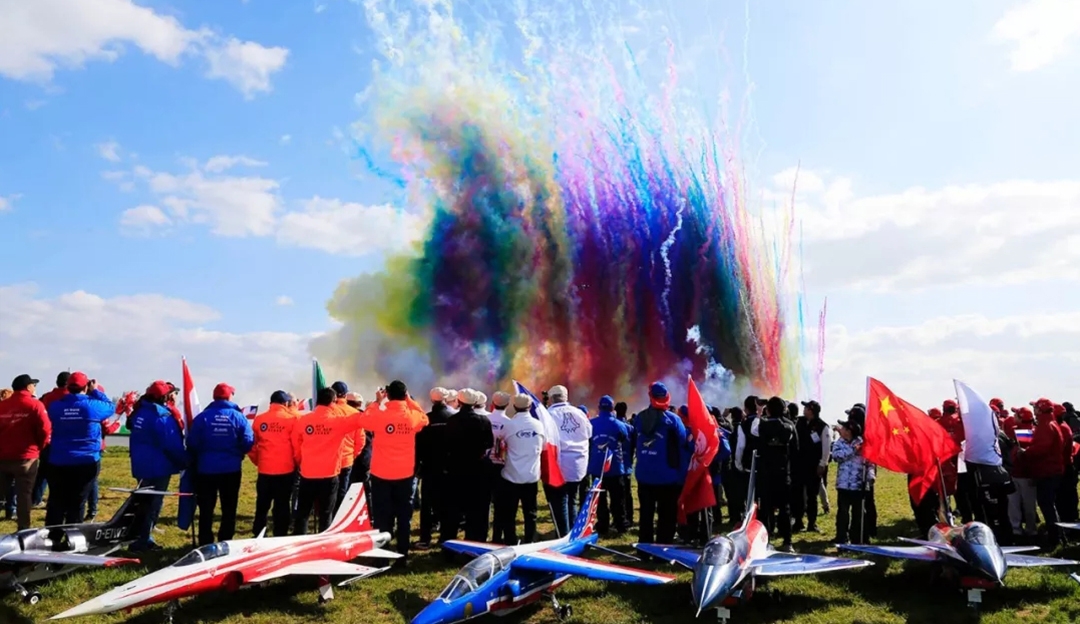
(317, 449)
(393, 459)
(353, 442)
(273, 455)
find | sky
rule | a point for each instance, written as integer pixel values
(176, 178)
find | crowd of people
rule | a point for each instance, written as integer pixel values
(471, 463)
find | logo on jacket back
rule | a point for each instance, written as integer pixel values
(569, 424)
(309, 430)
(263, 427)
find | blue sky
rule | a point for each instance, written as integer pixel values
(873, 99)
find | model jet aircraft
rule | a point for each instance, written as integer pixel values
(502, 579)
(969, 549)
(237, 563)
(34, 555)
(726, 569)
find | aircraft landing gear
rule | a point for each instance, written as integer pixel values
(562, 611)
(29, 597)
(170, 610)
(326, 590)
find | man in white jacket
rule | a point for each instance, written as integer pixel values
(522, 439)
(575, 430)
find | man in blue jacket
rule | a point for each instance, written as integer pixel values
(662, 451)
(219, 439)
(609, 435)
(157, 453)
(75, 451)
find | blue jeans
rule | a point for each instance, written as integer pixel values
(144, 536)
(41, 481)
(564, 503)
(89, 507)
(1046, 496)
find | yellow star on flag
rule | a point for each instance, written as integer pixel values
(886, 406)
(895, 431)
(907, 430)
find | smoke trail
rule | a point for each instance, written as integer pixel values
(590, 224)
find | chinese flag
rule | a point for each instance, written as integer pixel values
(697, 492)
(902, 438)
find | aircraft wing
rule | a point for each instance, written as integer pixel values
(686, 557)
(55, 558)
(804, 564)
(1018, 549)
(937, 547)
(472, 549)
(1029, 561)
(555, 563)
(325, 567)
(919, 553)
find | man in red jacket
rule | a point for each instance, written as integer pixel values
(24, 430)
(1068, 507)
(1047, 465)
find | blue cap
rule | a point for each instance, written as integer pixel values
(607, 403)
(340, 388)
(658, 391)
(280, 397)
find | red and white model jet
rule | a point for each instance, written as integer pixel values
(236, 563)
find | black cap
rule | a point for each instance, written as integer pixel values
(279, 397)
(22, 382)
(340, 387)
(813, 405)
(854, 427)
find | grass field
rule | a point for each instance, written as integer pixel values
(886, 592)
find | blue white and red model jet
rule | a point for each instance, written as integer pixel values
(502, 579)
(726, 569)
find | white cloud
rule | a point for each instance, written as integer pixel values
(5, 203)
(1008, 232)
(217, 164)
(284, 300)
(38, 37)
(1018, 358)
(246, 65)
(1038, 31)
(143, 219)
(33, 105)
(231, 205)
(248, 205)
(349, 229)
(285, 139)
(128, 341)
(109, 150)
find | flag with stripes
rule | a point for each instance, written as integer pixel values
(250, 412)
(550, 472)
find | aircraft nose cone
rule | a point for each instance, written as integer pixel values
(991, 562)
(437, 612)
(96, 606)
(711, 585)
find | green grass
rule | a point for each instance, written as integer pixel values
(888, 592)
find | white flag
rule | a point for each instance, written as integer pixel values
(980, 427)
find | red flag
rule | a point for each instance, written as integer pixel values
(902, 438)
(697, 493)
(191, 398)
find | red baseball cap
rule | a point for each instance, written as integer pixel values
(1043, 405)
(1058, 409)
(158, 390)
(78, 379)
(998, 403)
(223, 392)
(948, 403)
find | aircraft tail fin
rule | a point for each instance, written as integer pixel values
(751, 492)
(135, 508)
(586, 519)
(353, 515)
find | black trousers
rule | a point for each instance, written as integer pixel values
(628, 499)
(869, 513)
(736, 484)
(612, 486)
(508, 496)
(1067, 502)
(661, 501)
(273, 491)
(776, 501)
(926, 511)
(495, 483)
(849, 516)
(208, 487)
(433, 489)
(68, 487)
(394, 508)
(967, 498)
(805, 484)
(995, 503)
(467, 497)
(318, 495)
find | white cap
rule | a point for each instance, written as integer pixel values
(438, 394)
(355, 397)
(500, 400)
(482, 399)
(558, 392)
(522, 403)
(468, 397)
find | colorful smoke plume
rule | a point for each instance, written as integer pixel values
(590, 218)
